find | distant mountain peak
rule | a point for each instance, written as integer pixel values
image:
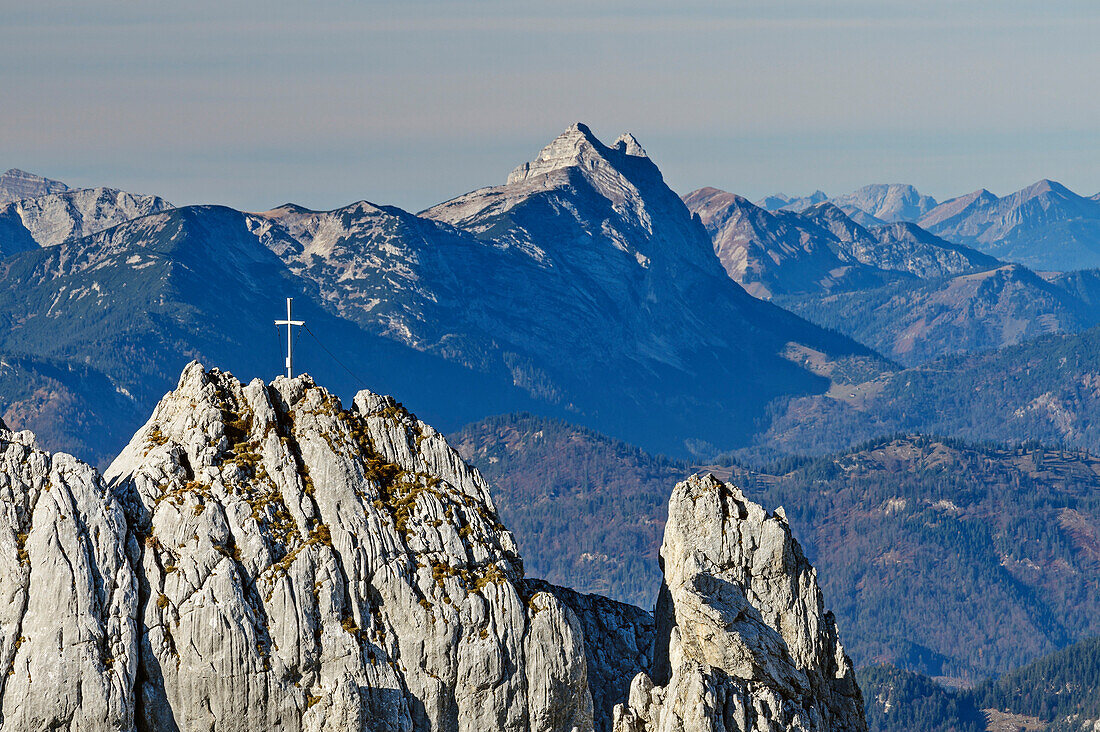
(825, 208)
(16, 184)
(887, 202)
(1045, 225)
(52, 218)
(16, 173)
(1045, 185)
(773, 202)
(576, 147)
(628, 144)
(791, 203)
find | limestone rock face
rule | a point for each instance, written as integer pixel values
(305, 567)
(68, 595)
(259, 557)
(743, 640)
(58, 216)
(16, 185)
(618, 645)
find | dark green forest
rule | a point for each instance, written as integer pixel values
(1057, 692)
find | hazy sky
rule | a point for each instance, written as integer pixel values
(254, 103)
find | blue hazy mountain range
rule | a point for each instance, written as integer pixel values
(582, 288)
(897, 287)
(1045, 226)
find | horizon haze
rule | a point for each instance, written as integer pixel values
(411, 103)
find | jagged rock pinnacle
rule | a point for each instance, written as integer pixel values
(743, 640)
(259, 557)
(577, 146)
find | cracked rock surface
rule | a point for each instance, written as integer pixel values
(260, 558)
(68, 595)
(306, 567)
(742, 638)
(618, 645)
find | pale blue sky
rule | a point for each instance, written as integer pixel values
(254, 103)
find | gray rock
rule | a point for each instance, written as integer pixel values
(259, 557)
(68, 616)
(18, 184)
(618, 645)
(306, 567)
(58, 216)
(743, 641)
(887, 203)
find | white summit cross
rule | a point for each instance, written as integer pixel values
(289, 338)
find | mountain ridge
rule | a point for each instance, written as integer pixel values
(1044, 225)
(537, 294)
(18, 184)
(358, 576)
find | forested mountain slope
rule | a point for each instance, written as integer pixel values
(941, 557)
(1046, 389)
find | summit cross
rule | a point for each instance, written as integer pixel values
(289, 338)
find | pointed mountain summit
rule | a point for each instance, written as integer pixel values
(577, 146)
(1045, 225)
(618, 195)
(830, 217)
(952, 212)
(16, 185)
(612, 274)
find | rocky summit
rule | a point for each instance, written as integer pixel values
(259, 557)
(57, 217)
(581, 287)
(743, 641)
(16, 185)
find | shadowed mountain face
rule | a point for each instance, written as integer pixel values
(582, 287)
(1044, 390)
(917, 322)
(122, 309)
